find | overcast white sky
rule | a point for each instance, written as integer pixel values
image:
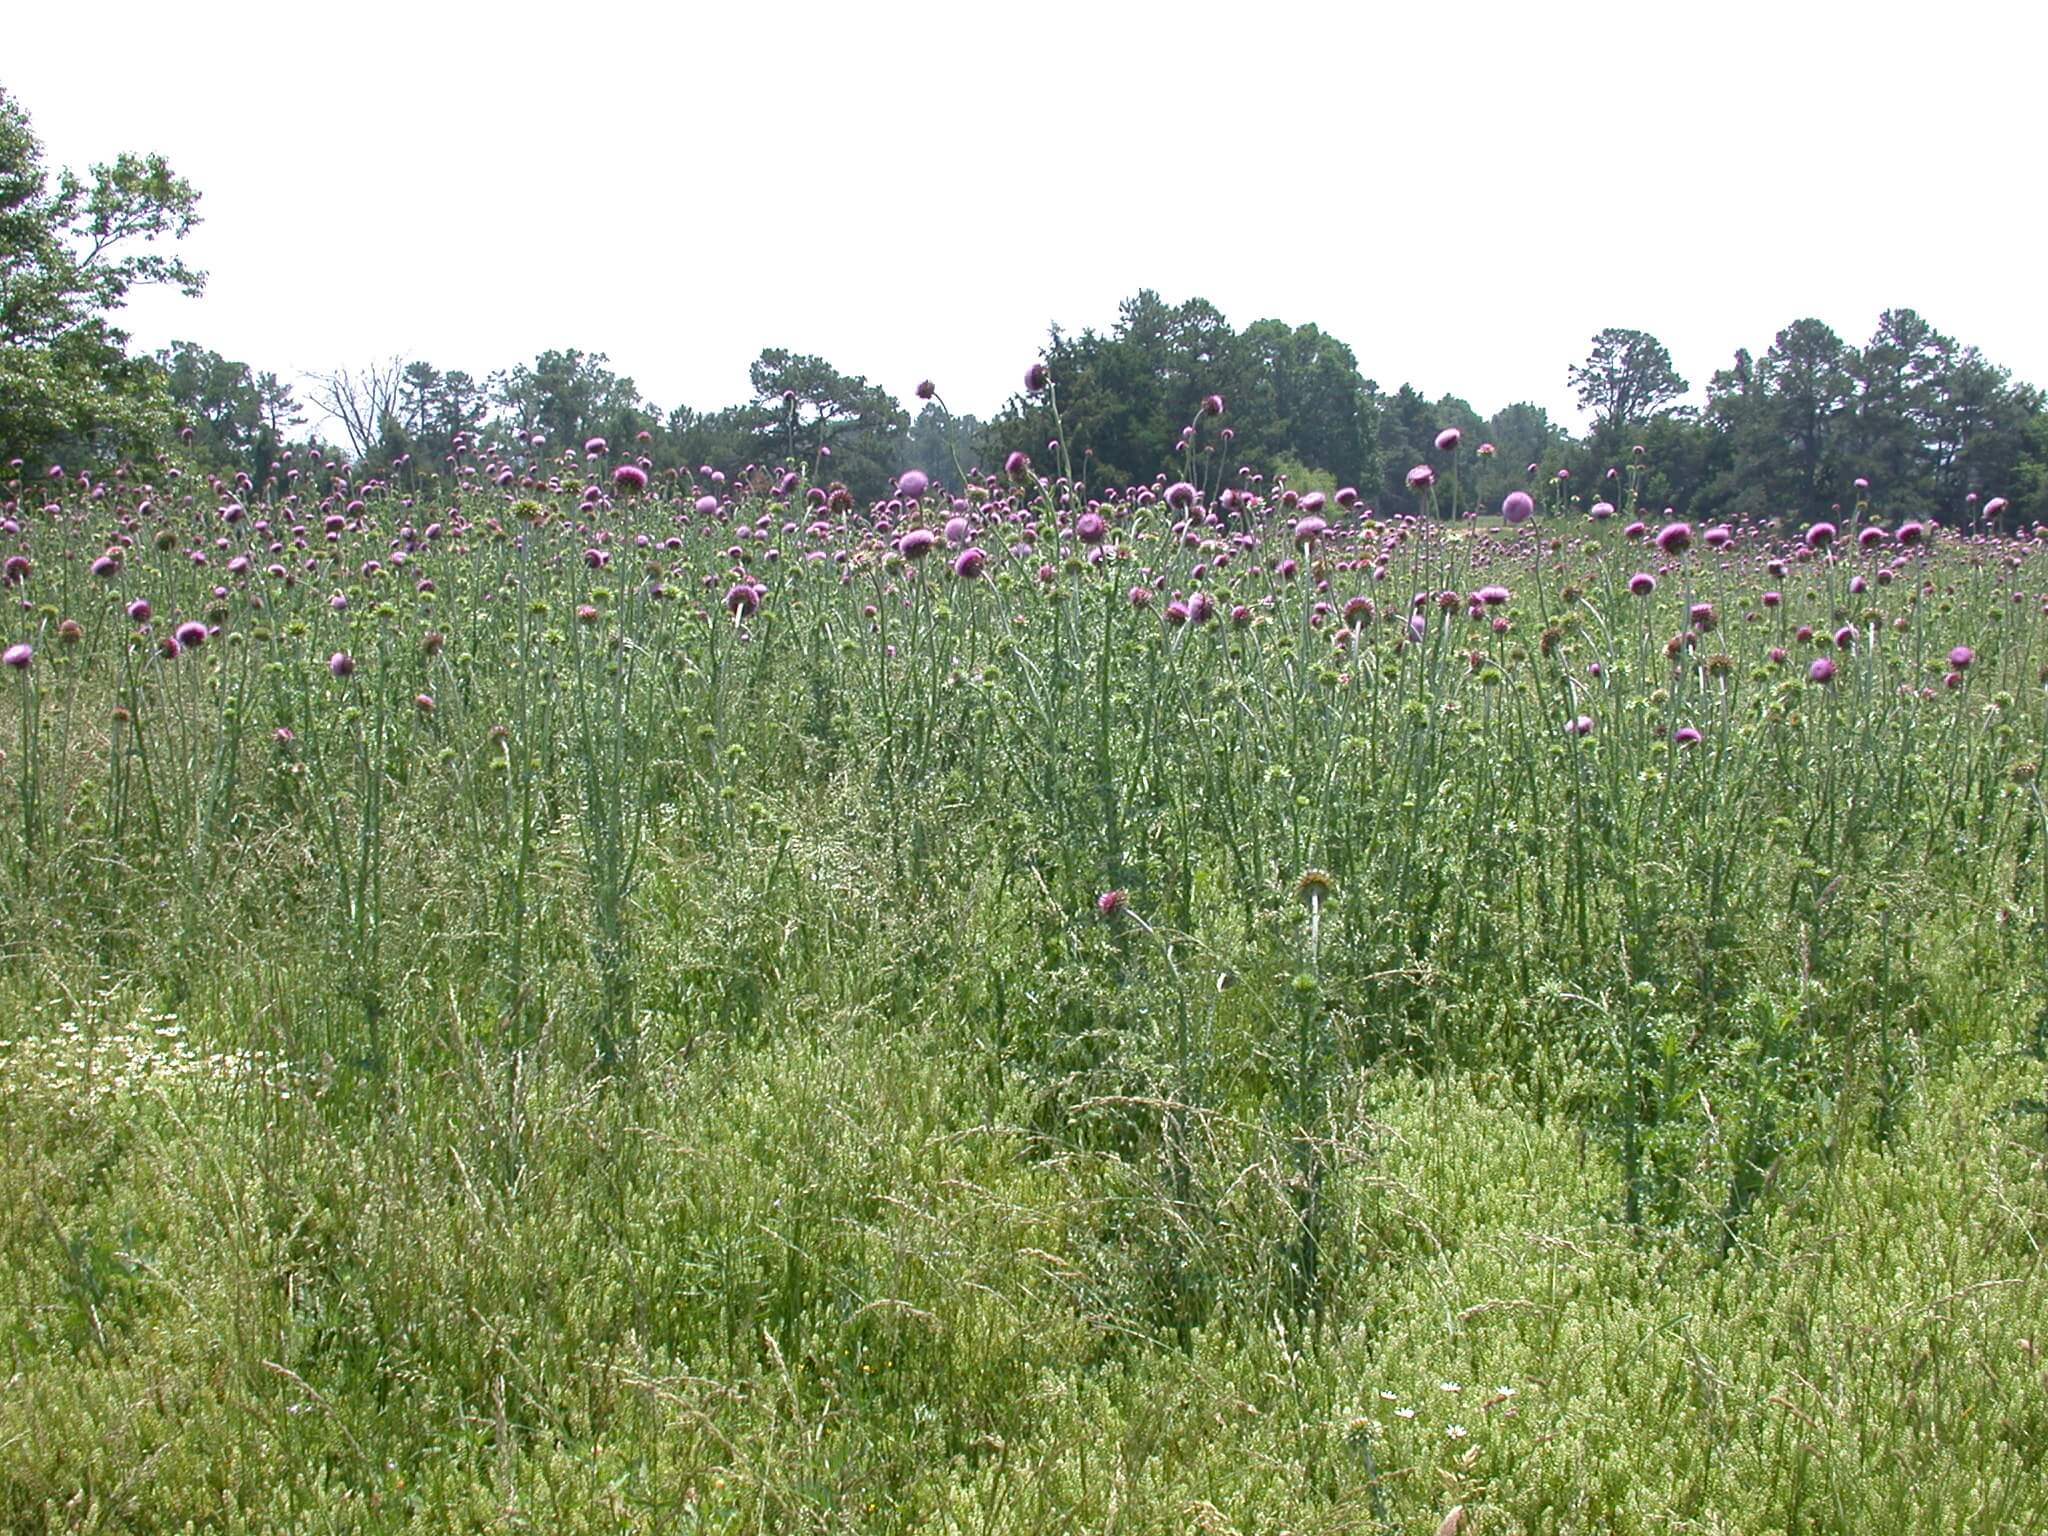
(1464, 194)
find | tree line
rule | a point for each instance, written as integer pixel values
(1932, 425)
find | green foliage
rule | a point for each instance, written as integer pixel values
(238, 419)
(70, 253)
(641, 1043)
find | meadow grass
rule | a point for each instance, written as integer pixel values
(563, 1008)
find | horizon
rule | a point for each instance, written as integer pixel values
(961, 287)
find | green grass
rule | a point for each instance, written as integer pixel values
(833, 1280)
(685, 1075)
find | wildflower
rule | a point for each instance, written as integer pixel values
(1961, 657)
(1686, 736)
(424, 702)
(189, 634)
(1212, 405)
(1314, 887)
(1602, 510)
(1820, 535)
(1642, 584)
(912, 482)
(1517, 507)
(1581, 725)
(139, 610)
(743, 599)
(1421, 478)
(18, 657)
(1036, 377)
(341, 664)
(629, 477)
(969, 562)
(1090, 528)
(1109, 903)
(1448, 439)
(1995, 506)
(1017, 466)
(916, 543)
(1674, 538)
(926, 389)
(1822, 670)
(1309, 529)
(1180, 495)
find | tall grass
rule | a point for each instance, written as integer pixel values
(721, 1016)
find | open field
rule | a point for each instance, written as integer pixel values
(584, 1002)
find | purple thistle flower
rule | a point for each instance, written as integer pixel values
(189, 634)
(1090, 528)
(1309, 529)
(1109, 903)
(341, 664)
(1036, 377)
(1517, 507)
(1421, 478)
(1642, 584)
(1822, 670)
(629, 477)
(1820, 535)
(1180, 495)
(1961, 657)
(1674, 538)
(18, 657)
(1686, 736)
(1448, 439)
(969, 562)
(916, 544)
(139, 610)
(913, 482)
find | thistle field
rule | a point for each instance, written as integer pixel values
(558, 998)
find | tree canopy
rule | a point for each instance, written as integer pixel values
(71, 250)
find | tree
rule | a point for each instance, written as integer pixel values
(570, 396)
(70, 253)
(238, 418)
(1626, 379)
(806, 410)
(366, 402)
